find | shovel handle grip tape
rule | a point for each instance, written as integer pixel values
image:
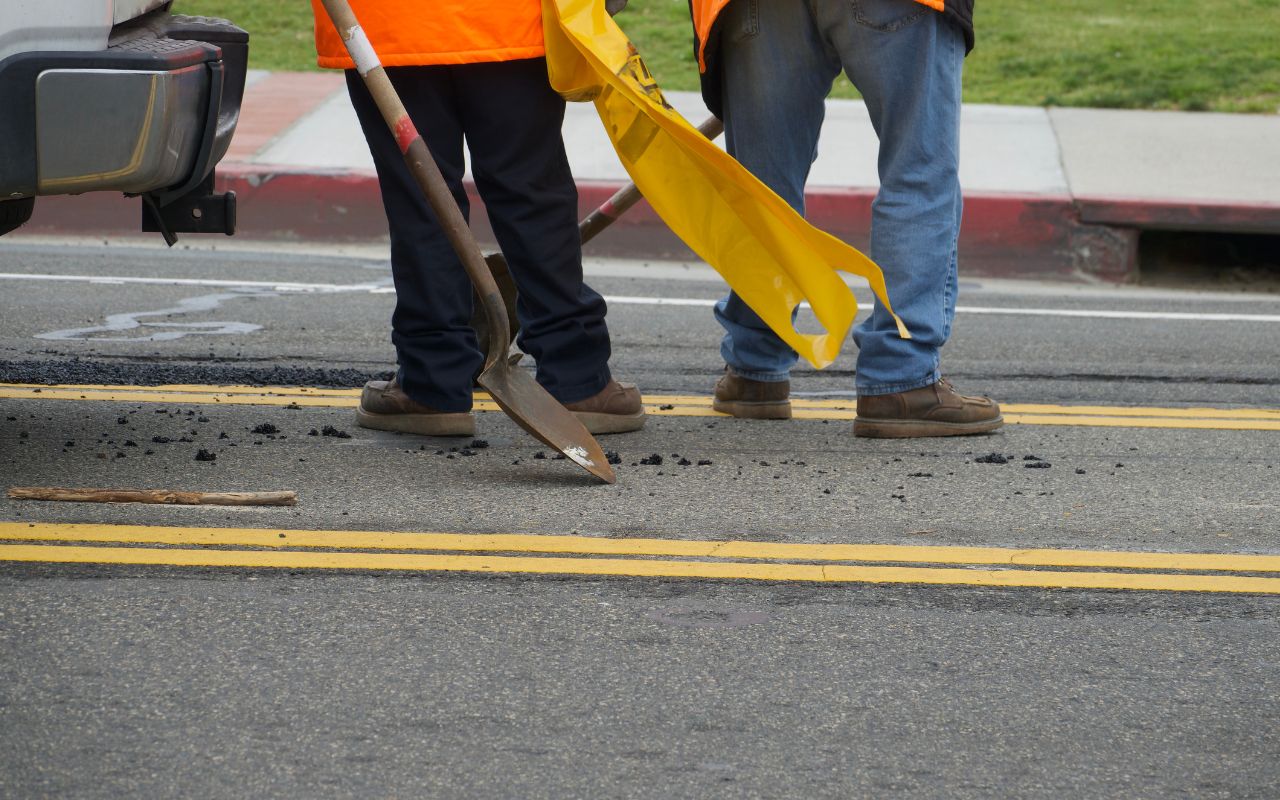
(608, 212)
(405, 132)
(361, 51)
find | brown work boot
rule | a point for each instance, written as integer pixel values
(614, 409)
(384, 406)
(748, 399)
(936, 410)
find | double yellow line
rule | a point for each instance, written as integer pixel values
(1246, 419)
(647, 558)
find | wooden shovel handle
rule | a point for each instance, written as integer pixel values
(166, 497)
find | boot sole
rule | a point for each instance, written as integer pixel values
(598, 423)
(920, 429)
(758, 409)
(461, 424)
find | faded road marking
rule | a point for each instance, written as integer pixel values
(164, 331)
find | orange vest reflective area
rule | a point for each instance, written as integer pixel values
(408, 33)
(706, 11)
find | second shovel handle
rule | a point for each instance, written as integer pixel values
(629, 195)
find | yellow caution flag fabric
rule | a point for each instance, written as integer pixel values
(766, 252)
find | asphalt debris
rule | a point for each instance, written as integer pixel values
(205, 455)
(654, 460)
(265, 428)
(329, 430)
(993, 458)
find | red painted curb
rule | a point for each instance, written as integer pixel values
(1003, 235)
(1181, 215)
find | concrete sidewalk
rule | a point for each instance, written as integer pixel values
(1049, 193)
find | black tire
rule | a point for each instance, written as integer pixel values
(15, 213)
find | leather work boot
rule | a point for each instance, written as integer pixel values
(748, 399)
(385, 407)
(614, 409)
(936, 410)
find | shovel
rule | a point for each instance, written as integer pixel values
(591, 225)
(515, 391)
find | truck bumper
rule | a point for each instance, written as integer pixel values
(152, 114)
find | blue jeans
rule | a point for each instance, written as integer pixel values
(780, 58)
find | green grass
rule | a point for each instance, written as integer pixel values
(279, 30)
(1211, 55)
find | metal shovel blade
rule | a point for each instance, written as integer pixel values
(525, 401)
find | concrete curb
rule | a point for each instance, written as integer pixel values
(1004, 235)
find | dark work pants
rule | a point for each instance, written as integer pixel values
(511, 120)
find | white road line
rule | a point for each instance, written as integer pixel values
(1102, 314)
(1032, 312)
(625, 300)
(271, 285)
(384, 287)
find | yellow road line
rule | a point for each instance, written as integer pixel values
(588, 545)
(830, 573)
(848, 404)
(1145, 422)
(1264, 419)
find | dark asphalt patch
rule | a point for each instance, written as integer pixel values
(142, 372)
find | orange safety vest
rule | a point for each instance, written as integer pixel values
(411, 33)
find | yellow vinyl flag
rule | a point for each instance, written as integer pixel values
(766, 252)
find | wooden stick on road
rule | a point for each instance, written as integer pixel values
(158, 496)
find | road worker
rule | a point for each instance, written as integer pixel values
(767, 67)
(475, 70)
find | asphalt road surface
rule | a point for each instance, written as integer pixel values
(456, 618)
